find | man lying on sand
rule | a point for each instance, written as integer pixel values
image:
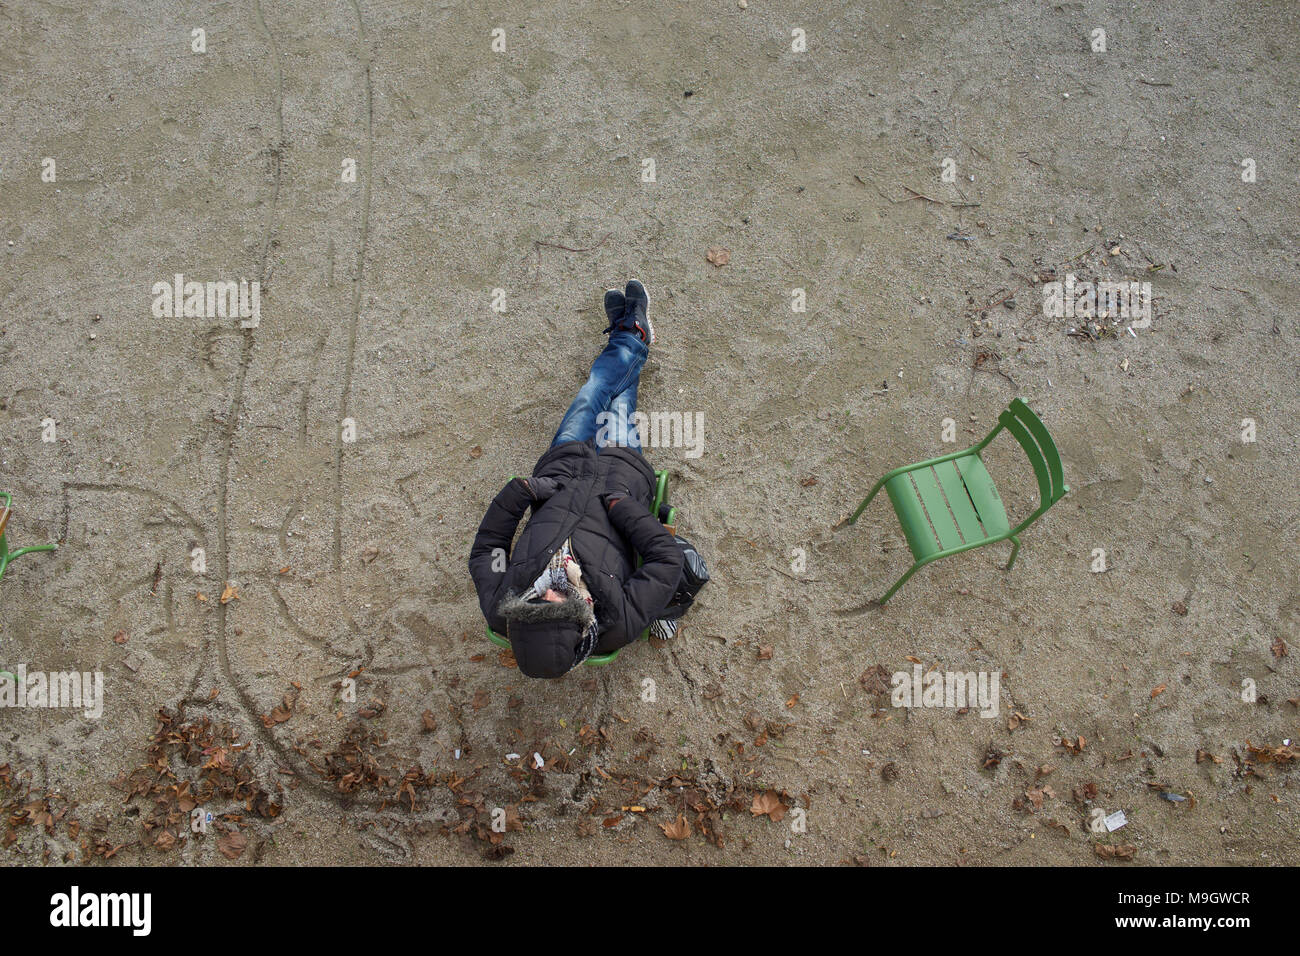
(570, 587)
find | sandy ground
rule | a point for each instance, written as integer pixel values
(473, 168)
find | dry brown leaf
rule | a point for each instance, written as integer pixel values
(1158, 690)
(232, 844)
(229, 593)
(876, 680)
(1085, 793)
(719, 256)
(679, 829)
(1283, 754)
(1122, 852)
(768, 803)
(1073, 746)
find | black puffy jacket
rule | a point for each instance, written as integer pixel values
(606, 542)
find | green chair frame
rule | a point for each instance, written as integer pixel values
(5, 554)
(599, 660)
(950, 504)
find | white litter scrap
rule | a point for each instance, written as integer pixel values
(1115, 821)
(538, 762)
(512, 756)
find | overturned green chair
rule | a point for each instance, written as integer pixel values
(5, 554)
(950, 504)
(661, 499)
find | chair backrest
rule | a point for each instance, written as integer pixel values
(1029, 430)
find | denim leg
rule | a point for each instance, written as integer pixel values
(618, 427)
(617, 368)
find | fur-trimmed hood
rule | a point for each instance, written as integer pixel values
(515, 608)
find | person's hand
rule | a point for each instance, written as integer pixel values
(573, 573)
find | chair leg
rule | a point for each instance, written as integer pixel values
(1015, 549)
(866, 501)
(4, 561)
(33, 547)
(899, 583)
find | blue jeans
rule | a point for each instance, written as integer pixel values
(604, 406)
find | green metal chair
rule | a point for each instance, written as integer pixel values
(950, 504)
(661, 499)
(5, 554)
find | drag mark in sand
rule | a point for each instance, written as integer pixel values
(345, 396)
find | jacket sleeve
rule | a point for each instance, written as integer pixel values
(647, 592)
(490, 553)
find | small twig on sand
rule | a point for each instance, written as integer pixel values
(792, 577)
(1143, 79)
(539, 244)
(917, 195)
